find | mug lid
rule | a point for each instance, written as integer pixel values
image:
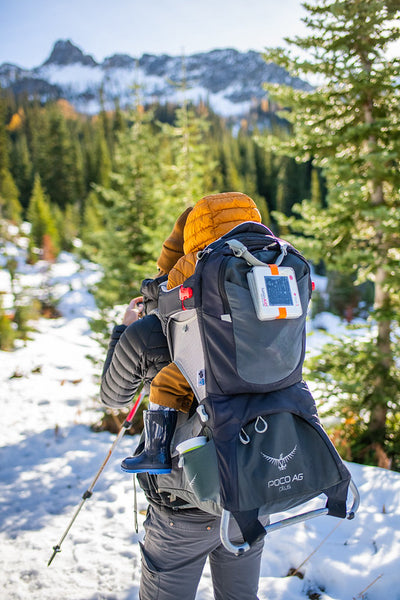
(191, 443)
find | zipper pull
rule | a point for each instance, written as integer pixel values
(202, 253)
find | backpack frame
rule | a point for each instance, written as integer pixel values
(267, 450)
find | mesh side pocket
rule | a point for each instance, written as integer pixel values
(187, 349)
(201, 470)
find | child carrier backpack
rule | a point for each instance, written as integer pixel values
(236, 330)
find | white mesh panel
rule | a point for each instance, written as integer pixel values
(187, 350)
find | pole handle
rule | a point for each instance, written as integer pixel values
(134, 409)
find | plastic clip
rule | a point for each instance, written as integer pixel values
(284, 248)
(184, 294)
(201, 411)
(261, 425)
(244, 437)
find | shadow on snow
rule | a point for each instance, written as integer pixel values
(45, 473)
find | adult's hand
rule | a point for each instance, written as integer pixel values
(133, 311)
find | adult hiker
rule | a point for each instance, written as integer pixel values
(178, 536)
(138, 348)
(212, 217)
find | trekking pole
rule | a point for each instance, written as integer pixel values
(125, 425)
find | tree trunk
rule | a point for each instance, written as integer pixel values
(377, 423)
(379, 408)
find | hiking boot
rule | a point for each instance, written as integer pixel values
(159, 426)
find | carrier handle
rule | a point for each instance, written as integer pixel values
(241, 251)
(239, 549)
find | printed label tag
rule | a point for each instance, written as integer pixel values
(201, 378)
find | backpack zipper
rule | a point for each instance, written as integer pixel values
(221, 287)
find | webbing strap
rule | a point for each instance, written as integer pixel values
(251, 528)
(241, 251)
(274, 269)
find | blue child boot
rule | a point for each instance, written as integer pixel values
(159, 427)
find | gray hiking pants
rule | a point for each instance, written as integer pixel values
(175, 549)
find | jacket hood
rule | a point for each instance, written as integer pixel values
(215, 215)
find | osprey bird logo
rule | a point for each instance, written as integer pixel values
(282, 461)
(191, 482)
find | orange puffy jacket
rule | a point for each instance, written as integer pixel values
(211, 217)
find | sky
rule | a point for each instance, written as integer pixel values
(29, 28)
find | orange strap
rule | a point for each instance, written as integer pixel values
(274, 269)
(282, 310)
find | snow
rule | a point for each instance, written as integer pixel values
(49, 457)
(76, 79)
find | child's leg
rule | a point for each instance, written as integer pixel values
(159, 426)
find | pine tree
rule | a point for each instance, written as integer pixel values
(4, 141)
(267, 174)
(92, 227)
(22, 168)
(67, 223)
(127, 251)
(59, 172)
(348, 125)
(10, 207)
(103, 160)
(188, 166)
(44, 234)
(7, 331)
(248, 173)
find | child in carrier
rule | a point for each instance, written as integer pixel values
(212, 217)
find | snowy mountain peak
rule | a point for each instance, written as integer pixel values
(229, 80)
(66, 53)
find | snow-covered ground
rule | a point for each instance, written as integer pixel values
(49, 456)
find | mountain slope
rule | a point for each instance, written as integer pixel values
(231, 81)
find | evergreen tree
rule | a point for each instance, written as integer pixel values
(44, 234)
(103, 160)
(187, 166)
(60, 173)
(10, 207)
(248, 171)
(119, 123)
(230, 164)
(126, 250)
(7, 331)
(348, 125)
(4, 141)
(67, 222)
(316, 191)
(22, 168)
(267, 174)
(37, 132)
(92, 227)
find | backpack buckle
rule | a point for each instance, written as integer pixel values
(184, 294)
